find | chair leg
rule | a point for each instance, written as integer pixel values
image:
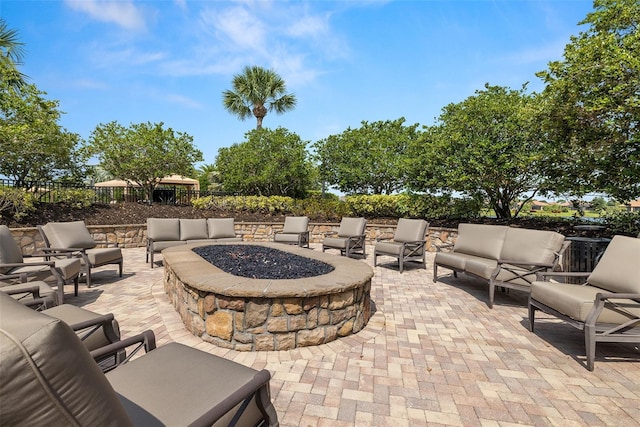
(88, 276)
(590, 346)
(400, 263)
(375, 256)
(532, 315)
(76, 284)
(492, 294)
(120, 267)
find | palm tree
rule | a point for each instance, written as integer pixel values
(11, 52)
(256, 91)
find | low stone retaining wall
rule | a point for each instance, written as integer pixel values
(135, 235)
(247, 314)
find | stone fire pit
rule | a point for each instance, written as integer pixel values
(248, 314)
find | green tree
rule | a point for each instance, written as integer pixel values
(268, 163)
(593, 98)
(485, 147)
(369, 159)
(143, 153)
(209, 177)
(255, 92)
(11, 54)
(34, 147)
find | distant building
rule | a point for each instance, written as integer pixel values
(633, 206)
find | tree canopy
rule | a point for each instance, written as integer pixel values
(593, 105)
(11, 54)
(255, 92)
(268, 163)
(143, 153)
(486, 147)
(34, 147)
(369, 159)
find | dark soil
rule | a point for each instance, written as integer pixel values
(137, 213)
(259, 262)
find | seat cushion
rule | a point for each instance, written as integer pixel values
(163, 387)
(286, 238)
(454, 260)
(220, 228)
(388, 248)
(163, 229)
(101, 256)
(69, 267)
(73, 234)
(70, 314)
(576, 301)
(335, 242)
(159, 246)
(480, 240)
(191, 229)
(481, 267)
(44, 290)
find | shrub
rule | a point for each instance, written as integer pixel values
(625, 223)
(15, 202)
(74, 197)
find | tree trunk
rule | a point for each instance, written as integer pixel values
(260, 111)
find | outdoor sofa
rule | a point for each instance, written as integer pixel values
(506, 257)
(164, 233)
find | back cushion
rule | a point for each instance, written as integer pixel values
(72, 234)
(531, 246)
(221, 228)
(619, 267)
(295, 224)
(48, 376)
(410, 230)
(352, 227)
(191, 229)
(9, 250)
(480, 240)
(160, 229)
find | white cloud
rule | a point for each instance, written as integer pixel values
(122, 13)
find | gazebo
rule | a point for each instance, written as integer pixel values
(165, 192)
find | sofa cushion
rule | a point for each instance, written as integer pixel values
(481, 267)
(191, 229)
(481, 240)
(619, 267)
(159, 246)
(10, 252)
(221, 228)
(531, 246)
(101, 256)
(73, 234)
(576, 301)
(163, 229)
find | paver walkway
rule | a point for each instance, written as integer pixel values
(432, 354)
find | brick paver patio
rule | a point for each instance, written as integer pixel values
(432, 354)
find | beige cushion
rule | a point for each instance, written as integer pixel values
(480, 240)
(9, 250)
(531, 246)
(335, 242)
(295, 224)
(481, 267)
(619, 267)
(72, 234)
(48, 376)
(159, 246)
(69, 268)
(70, 314)
(163, 229)
(410, 230)
(576, 301)
(191, 229)
(350, 227)
(220, 228)
(284, 237)
(101, 256)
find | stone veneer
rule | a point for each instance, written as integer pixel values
(135, 235)
(260, 314)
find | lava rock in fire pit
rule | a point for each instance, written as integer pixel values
(260, 262)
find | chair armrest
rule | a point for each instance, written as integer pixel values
(26, 288)
(22, 276)
(22, 264)
(439, 248)
(541, 275)
(329, 233)
(146, 340)
(383, 238)
(617, 295)
(524, 264)
(62, 250)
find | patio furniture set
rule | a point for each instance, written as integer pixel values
(606, 307)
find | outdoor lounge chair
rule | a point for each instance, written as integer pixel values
(295, 231)
(65, 271)
(349, 239)
(47, 377)
(74, 236)
(36, 294)
(606, 306)
(408, 243)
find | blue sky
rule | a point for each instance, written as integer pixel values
(346, 61)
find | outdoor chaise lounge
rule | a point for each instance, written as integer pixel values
(295, 231)
(65, 271)
(350, 239)
(48, 377)
(408, 243)
(606, 306)
(74, 236)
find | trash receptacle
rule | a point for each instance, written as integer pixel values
(584, 251)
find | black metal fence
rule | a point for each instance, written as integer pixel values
(52, 192)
